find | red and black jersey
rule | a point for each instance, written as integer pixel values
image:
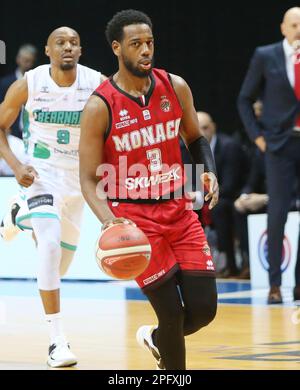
(142, 150)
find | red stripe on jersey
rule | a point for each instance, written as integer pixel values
(142, 150)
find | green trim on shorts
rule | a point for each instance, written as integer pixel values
(33, 215)
(68, 246)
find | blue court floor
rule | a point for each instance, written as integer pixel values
(229, 291)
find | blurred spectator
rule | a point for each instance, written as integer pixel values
(253, 199)
(274, 76)
(231, 166)
(25, 60)
(17, 147)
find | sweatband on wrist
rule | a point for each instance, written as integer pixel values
(202, 154)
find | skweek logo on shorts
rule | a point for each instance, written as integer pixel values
(58, 117)
(263, 252)
(40, 200)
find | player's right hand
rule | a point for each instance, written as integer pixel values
(25, 175)
(114, 221)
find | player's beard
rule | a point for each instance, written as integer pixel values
(135, 70)
(67, 66)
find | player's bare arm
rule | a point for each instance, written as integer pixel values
(15, 97)
(94, 122)
(194, 139)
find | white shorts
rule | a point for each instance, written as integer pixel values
(55, 194)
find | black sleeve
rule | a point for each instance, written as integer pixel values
(201, 154)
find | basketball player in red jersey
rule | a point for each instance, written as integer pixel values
(132, 124)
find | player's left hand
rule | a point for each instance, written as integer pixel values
(211, 183)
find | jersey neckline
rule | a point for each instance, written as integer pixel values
(58, 86)
(136, 99)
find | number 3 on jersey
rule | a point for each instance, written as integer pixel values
(154, 156)
(63, 137)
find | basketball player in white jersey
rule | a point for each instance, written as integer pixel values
(54, 96)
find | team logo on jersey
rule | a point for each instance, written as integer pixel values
(125, 119)
(45, 89)
(206, 250)
(124, 115)
(146, 114)
(165, 104)
(57, 117)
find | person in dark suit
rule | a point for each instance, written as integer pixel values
(231, 167)
(25, 60)
(274, 76)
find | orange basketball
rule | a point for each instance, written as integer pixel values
(123, 251)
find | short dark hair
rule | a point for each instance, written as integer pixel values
(114, 29)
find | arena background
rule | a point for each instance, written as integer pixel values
(208, 44)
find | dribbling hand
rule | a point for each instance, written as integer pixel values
(114, 221)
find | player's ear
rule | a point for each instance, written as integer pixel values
(47, 51)
(116, 47)
(80, 51)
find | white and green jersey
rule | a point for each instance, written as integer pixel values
(52, 116)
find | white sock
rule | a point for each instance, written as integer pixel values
(55, 325)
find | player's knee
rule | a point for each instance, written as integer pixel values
(173, 317)
(50, 251)
(203, 315)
